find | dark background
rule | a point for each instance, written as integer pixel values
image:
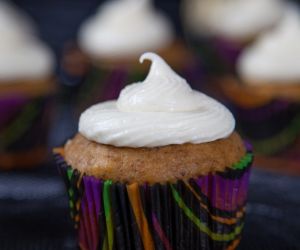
(33, 204)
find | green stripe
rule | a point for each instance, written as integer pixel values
(19, 126)
(278, 142)
(244, 162)
(69, 173)
(107, 211)
(202, 226)
(104, 247)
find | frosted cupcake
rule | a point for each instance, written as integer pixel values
(159, 168)
(25, 88)
(220, 30)
(266, 97)
(119, 32)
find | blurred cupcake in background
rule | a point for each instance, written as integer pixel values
(119, 32)
(266, 97)
(219, 30)
(26, 85)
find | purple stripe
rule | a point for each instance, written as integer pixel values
(114, 84)
(161, 233)
(264, 112)
(92, 215)
(227, 50)
(84, 225)
(9, 106)
(225, 194)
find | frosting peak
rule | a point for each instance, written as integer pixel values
(275, 56)
(162, 91)
(125, 28)
(161, 110)
(22, 55)
(235, 19)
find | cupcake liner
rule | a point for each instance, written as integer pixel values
(228, 51)
(24, 124)
(280, 142)
(209, 57)
(270, 128)
(218, 55)
(267, 111)
(206, 212)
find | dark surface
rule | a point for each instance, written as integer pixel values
(34, 212)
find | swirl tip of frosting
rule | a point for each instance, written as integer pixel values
(150, 56)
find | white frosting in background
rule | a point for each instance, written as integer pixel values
(21, 54)
(159, 111)
(234, 19)
(125, 28)
(276, 55)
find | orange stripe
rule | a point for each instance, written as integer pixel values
(134, 197)
(234, 244)
(228, 221)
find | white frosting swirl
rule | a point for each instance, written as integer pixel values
(160, 111)
(125, 28)
(276, 55)
(21, 54)
(235, 19)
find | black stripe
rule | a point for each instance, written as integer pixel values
(234, 174)
(135, 232)
(214, 211)
(156, 208)
(125, 215)
(116, 213)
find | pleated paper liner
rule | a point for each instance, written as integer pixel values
(271, 128)
(206, 212)
(218, 55)
(24, 125)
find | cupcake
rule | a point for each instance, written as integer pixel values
(219, 30)
(25, 90)
(113, 38)
(159, 168)
(266, 96)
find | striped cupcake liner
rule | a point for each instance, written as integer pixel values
(278, 142)
(23, 128)
(201, 213)
(217, 55)
(271, 128)
(227, 51)
(266, 112)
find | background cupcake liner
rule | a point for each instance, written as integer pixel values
(218, 55)
(104, 84)
(24, 124)
(201, 213)
(270, 128)
(228, 51)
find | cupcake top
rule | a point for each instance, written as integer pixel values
(159, 130)
(275, 57)
(161, 110)
(22, 56)
(236, 19)
(123, 28)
